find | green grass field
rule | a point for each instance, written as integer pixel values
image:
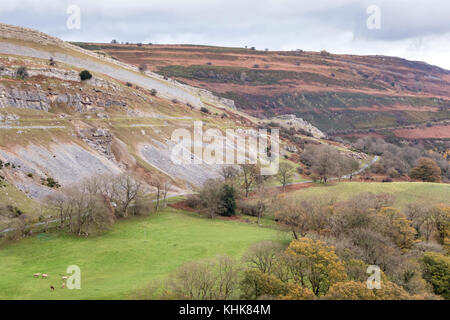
(128, 257)
(404, 192)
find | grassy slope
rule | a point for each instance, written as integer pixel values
(405, 192)
(124, 259)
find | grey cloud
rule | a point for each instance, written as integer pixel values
(337, 25)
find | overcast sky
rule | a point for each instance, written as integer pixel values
(412, 29)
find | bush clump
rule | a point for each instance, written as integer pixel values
(85, 75)
(22, 73)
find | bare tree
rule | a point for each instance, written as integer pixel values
(58, 202)
(157, 182)
(249, 173)
(263, 255)
(229, 173)
(125, 190)
(285, 174)
(296, 218)
(211, 196)
(166, 186)
(214, 279)
(86, 208)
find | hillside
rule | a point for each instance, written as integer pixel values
(56, 130)
(346, 95)
(54, 127)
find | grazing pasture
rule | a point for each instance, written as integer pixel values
(126, 258)
(404, 192)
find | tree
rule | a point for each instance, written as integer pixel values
(85, 75)
(296, 292)
(125, 189)
(58, 202)
(166, 186)
(263, 256)
(352, 290)
(261, 199)
(229, 201)
(441, 216)
(86, 209)
(162, 186)
(142, 67)
(426, 170)
(394, 224)
(324, 160)
(315, 265)
(351, 167)
(22, 73)
(285, 174)
(256, 284)
(214, 279)
(229, 173)
(292, 215)
(249, 173)
(437, 272)
(211, 197)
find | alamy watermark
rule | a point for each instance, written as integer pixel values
(374, 280)
(73, 281)
(74, 20)
(238, 146)
(374, 20)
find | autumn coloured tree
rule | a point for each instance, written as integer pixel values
(353, 290)
(426, 170)
(315, 265)
(437, 272)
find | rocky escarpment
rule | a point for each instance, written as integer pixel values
(66, 163)
(291, 121)
(25, 99)
(100, 139)
(38, 98)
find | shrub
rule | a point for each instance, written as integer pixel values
(175, 101)
(129, 84)
(248, 209)
(229, 201)
(393, 173)
(427, 170)
(314, 177)
(193, 201)
(153, 92)
(51, 183)
(437, 272)
(256, 284)
(204, 110)
(142, 67)
(85, 75)
(22, 73)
